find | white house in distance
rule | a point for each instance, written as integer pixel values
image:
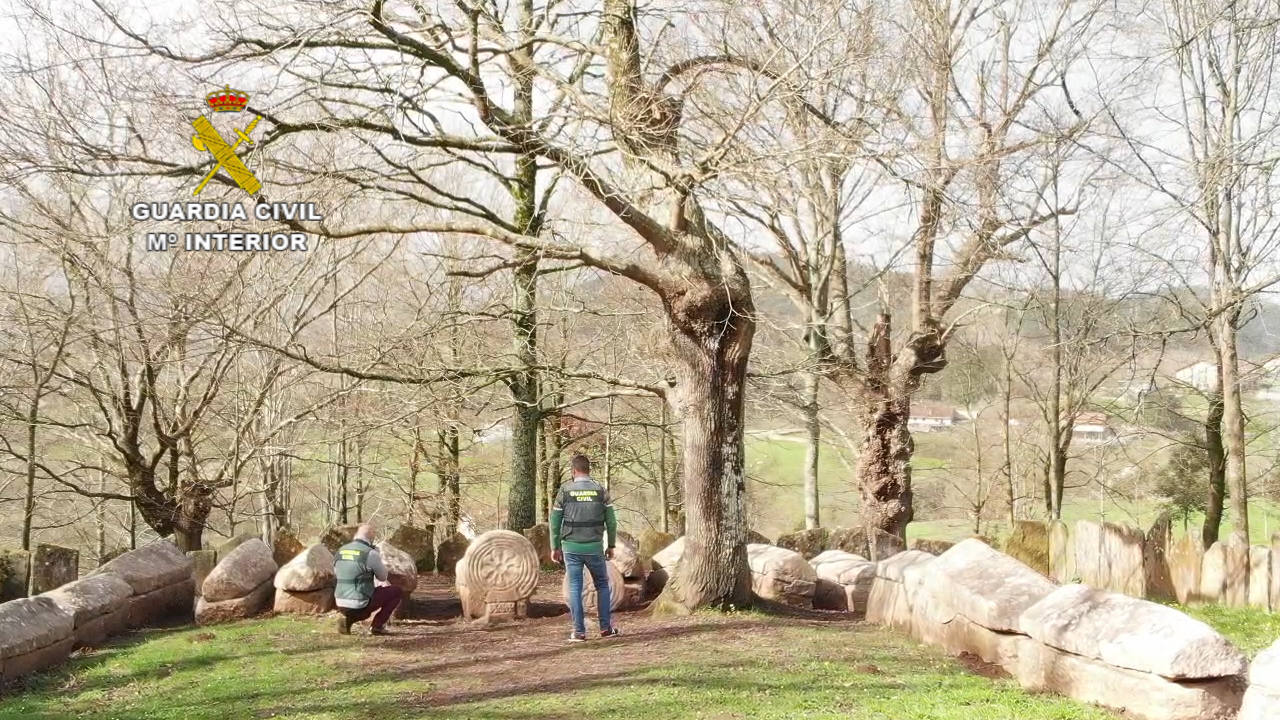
(1202, 376)
(927, 416)
(1092, 427)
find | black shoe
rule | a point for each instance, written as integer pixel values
(344, 624)
(577, 637)
(610, 633)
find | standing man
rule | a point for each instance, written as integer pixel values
(362, 588)
(579, 519)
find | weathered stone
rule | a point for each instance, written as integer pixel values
(53, 566)
(892, 567)
(1062, 553)
(1110, 557)
(225, 548)
(28, 624)
(162, 604)
(590, 601)
(419, 543)
(1156, 559)
(1186, 557)
(960, 635)
(335, 536)
(1262, 700)
(94, 632)
(496, 576)
(450, 552)
(314, 602)
(628, 559)
(111, 554)
(240, 572)
(254, 602)
(1145, 696)
(889, 602)
(933, 546)
(781, 575)
(202, 563)
(153, 566)
(1236, 588)
(882, 545)
(308, 571)
(851, 574)
(757, 538)
(92, 597)
(15, 574)
(1260, 577)
(982, 584)
(850, 540)
(540, 536)
(669, 557)
(1029, 544)
(12, 668)
(1275, 572)
(285, 546)
(1130, 633)
(1213, 574)
(401, 570)
(652, 541)
(806, 542)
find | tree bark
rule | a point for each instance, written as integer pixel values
(1233, 427)
(1217, 468)
(884, 475)
(813, 428)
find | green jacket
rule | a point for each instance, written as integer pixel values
(582, 514)
(356, 564)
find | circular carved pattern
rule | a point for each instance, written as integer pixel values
(502, 560)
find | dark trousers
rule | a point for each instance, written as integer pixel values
(384, 601)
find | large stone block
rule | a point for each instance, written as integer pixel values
(651, 541)
(892, 567)
(227, 546)
(1062, 553)
(1236, 585)
(1156, 560)
(626, 555)
(890, 600)
(258, 600)
(162, 604)
(419, 543)
(1145, 696)
(933, 546)
(240, 572)
(806, 542)
(1029, 545)
(15, 574)
(540, 536)
(94, 632)
(1186, 557)
(12, 668)
(450, 552)
(984, 585)
(285, 546)
(314, 602)
(202, 563)
(851, 573)
(590, 599)
(402, 571)
(960, 635)
(850, 540)
(92, 597)
(335, 536)
(496, 576)
(1262, 700)
(781, 575)
(1213, 574)
(154, 566)
(669, 557)
(29, 624)
(309, 570)
(52, 567)
(1127, 632)
(1110, 557)
(1260, 577)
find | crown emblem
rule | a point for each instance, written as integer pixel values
(227, 100)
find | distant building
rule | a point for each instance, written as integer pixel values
(928, 416)
(1202, 376)
(1092, 427)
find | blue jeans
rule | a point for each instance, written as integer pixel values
(573, 563)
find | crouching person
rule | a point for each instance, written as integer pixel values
(363, 589)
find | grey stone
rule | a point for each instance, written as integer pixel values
(651, 541)
(669, 557)
(1186, 557)
(540, 536)
(151, 567)
(240, 572)
(285, 546)
(419, 543)
(15, 574)
(806, 542)
(92, 597)
(202, 563)
(1029, 545)
(1262, 700)
(228, 546)
(401, 570)
(1062, 553)
(891, 568)
(14, 667)
(1213, 574)
(450, 552)
(1260, 577)
(28, 624)
(162, 604)
(781, 575)
(338, 535)
(53, 566)
(851, 573)
(1156, 560)
(1127, 632)
(314, 602)
(984, 585)
(1236, 590)
(254, 602)
(311, 569)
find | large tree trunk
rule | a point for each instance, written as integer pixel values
(812, 515)
(1217, 463)
(884, 475)
(711, 379)
(1233, 426)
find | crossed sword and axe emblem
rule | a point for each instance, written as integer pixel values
(208, 138)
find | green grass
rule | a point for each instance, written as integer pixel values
(712, 667)
(1251, 629)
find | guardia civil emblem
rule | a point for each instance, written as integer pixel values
(208, 139)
